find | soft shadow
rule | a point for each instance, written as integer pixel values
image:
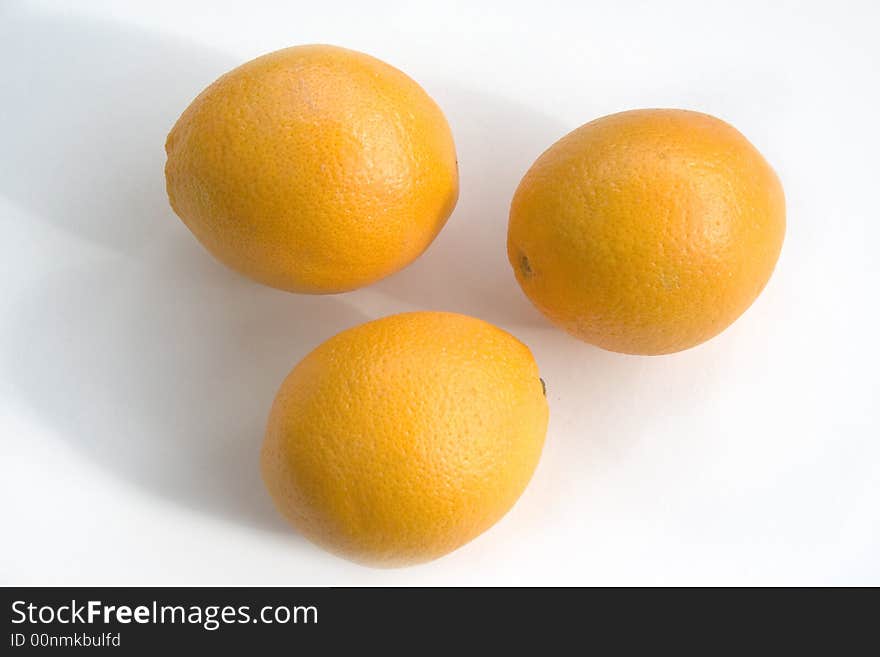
(86, 108)
(140, 350)
(162, 369)
(466, 269)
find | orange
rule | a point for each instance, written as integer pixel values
(313, 169)
(397, 441)
(647, 232)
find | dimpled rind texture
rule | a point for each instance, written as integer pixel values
(397, 441)
(648, 231)
(313, 169)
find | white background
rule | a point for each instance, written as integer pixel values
(136, 372)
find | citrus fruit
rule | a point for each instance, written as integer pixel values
(397, 441)
(313, 169)
(648, 231)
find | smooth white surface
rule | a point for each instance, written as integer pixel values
(136, 372)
